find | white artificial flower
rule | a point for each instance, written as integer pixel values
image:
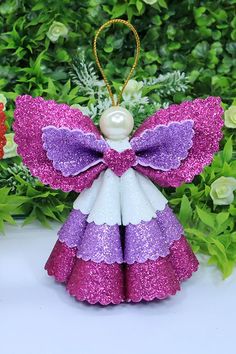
(132, 89)
(230, 117)
(56, 30)
(3, 100)
(150, 2)
(222, 190)
(10, 149)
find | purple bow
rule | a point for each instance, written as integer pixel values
(73, 151)
(164, 147)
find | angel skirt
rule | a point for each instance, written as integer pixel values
(164, 259)
(121, 242)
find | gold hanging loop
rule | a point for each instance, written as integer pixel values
(131, 27)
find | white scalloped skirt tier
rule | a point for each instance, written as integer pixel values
(124, 200)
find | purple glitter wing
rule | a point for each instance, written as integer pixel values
(164, 147)
(31, 116)
(207, 117)
(72, 151)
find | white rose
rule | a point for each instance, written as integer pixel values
(230, 117)
(3, 100)
(150, 2)
(56, 30)
(10, 149)
(132, 89)
(222, 190)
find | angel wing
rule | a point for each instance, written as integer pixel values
(2, 130)
(175, 144)
(60, 145)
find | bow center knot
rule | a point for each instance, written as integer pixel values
(119, 162)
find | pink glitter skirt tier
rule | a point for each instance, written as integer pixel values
(97, 272)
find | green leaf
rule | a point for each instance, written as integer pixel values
(162, 3)
(119, 10)
(206, 218)
(9, 219)
(139, 5)
(42, 218)
(2, 226)
(201, 50)
(185, 213)
(228, 150)
(221, 218)
(4, 193)
(217, 249)
(30, 218)
(196, 232)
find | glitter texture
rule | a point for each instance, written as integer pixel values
(61, 261)
(119, 162)
(164, 147)
(101, 243)
(151, 239)
(73, 229)
(2, 130)
(91, 279)
(97, 282)
(64, 149)
(105, 283)
(146, 240)
(161, 278)
(72, 151)
(207, 116)
(183, 259)
(151, 280)
(33, 114)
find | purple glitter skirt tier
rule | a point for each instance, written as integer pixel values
(109, 265)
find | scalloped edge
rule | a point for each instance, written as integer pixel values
(56, 163)
(178, 162)
(96, 302)
(46, 180)
(142, 298)
(167, 181)
(50, 274)
(214, 99)
(141, 260)
(152, 298)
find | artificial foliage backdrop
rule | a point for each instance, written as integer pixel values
(188, 50)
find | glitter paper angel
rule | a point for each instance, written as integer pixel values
(121, 242)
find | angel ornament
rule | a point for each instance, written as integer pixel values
(121, 242)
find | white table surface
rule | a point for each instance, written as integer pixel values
(38, 317)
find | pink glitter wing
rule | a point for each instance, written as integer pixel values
(2, 130)
(31, 116)
(206, 115)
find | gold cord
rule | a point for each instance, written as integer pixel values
(108, 23)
